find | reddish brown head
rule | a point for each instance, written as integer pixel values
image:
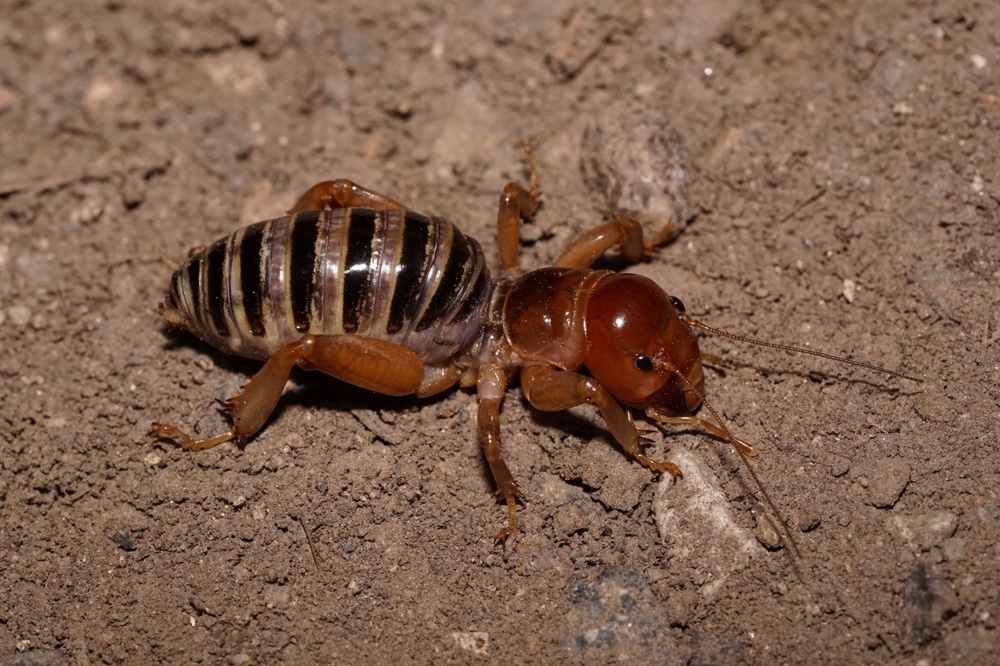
(638, 346)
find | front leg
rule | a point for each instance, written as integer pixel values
(747, 449)
(369, 363)
(552, 390)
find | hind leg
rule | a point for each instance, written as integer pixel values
(369, 363)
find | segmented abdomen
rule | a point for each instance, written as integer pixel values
(396, 275)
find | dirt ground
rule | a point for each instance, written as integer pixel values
(836, 168)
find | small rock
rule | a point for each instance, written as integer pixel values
(767, 532)
(237, 71)
(926, 530)
(100, 90)
(476, 642)
(123, 540)
(928, 600)
(614, 616)
(849, 288)
(88, 211)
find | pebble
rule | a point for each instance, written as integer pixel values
(88, 211)
(236, 71)
(476, 642)
(123, 540)
(100, 90)
(923, 531)
(849, 289)
(767, 532)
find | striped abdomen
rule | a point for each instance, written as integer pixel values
(395, 275)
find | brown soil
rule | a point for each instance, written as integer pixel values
(841, 192)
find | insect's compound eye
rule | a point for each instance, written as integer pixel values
(643, 363)
(677, 303)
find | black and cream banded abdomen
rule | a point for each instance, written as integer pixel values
(396, 275)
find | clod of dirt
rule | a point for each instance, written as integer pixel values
(889, 477)
(634, 159)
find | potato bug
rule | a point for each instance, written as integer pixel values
(354, 285)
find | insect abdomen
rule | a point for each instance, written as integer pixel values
(395, 275)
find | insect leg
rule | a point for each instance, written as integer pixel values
(491, 386)
(370, 363)
(664, 235)
(437, 379)
(373, 364)
(624, 233)
(744, 448)
(251, 408)
(713, 359)
(516, 203)
(550, 390)
(342, 193)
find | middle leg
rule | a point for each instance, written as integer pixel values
(624, 233)
(343, 193)
(516, 203)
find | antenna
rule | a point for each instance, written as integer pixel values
(801, 350)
